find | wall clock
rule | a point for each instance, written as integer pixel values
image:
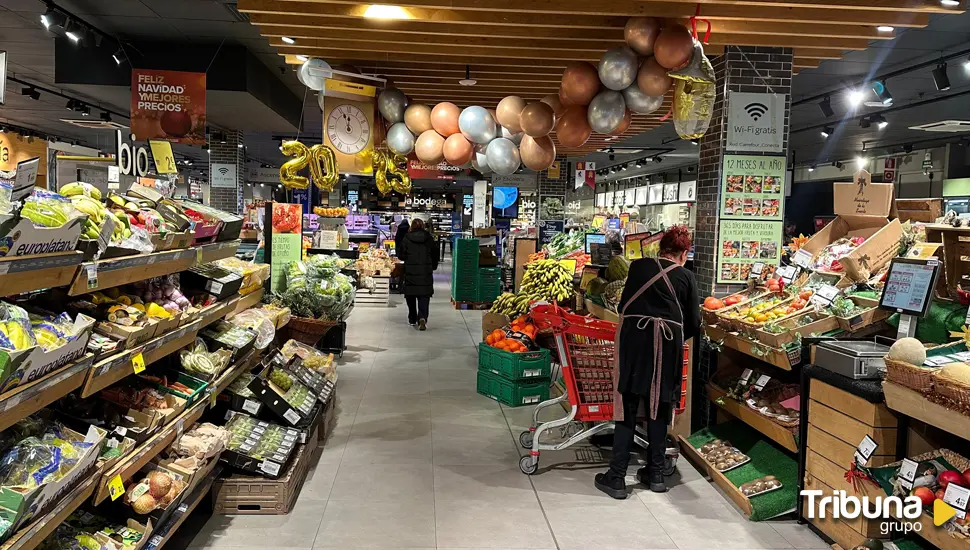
(348, 129)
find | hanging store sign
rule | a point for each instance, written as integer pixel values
(688, 190)
(630, 197)
(522, 181)
(641, 196)
(585, 175)
(655, 194)
(752, 187)
(418, 170)
(168, 105)
(223, 176)
(756, 122)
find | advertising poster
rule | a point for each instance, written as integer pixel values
(552, 207)
(168, 105)
(756, 122)
(549, 228)
(302, 196)
(742, 243)
(505, 202)
(418, 170)
(287, 242)
(752, 187)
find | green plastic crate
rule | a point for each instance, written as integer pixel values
(488, 294)
(513, 394)
(524, 366)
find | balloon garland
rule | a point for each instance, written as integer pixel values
(390, 165)
(320, 158)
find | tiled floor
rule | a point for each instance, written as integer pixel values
(419, 460)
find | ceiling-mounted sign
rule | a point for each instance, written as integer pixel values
(630, 197)
(601, 200)
(655, 194)
(670, 192)
(554, 171)
(756, 122)
(223, 176)
(348, 129)
(688, 191)
(522, 181)
(585, 175)
(641, 196)
(418, 170)
(258, 174)
(168, 105)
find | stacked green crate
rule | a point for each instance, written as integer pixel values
(489, 283)
(515, 379)
(464, 271)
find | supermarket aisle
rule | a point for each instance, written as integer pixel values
(419, 460)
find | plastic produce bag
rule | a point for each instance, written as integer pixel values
(15, 329)
(694, 95)
(6, 193)
(259, 323)
(46, 208)
(139, 240)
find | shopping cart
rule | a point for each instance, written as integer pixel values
(585, 346)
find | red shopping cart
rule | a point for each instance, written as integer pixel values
(585, 347)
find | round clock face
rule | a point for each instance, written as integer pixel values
(348, 129)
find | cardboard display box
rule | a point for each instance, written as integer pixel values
(129, 336)
(862, 209)
(22, 238)
(492, 321)
(24, 366)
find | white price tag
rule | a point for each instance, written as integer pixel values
(92, 272)
(746, 375)
(762, 382)
(756, 270)
(825, 294)
(802, 258)
(178, 428)
(216, 287)
(787, 273)
(966, 321)
(291, 416)
(907, 473)
(251, 406)
(270, 467)
(957, 497)
(865, 450)
(182, 508)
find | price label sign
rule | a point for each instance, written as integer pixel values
(746, 375)
(138, 363)
(116, 487)
(756, 270)
(865, 450)
(907, 473)
(788, 273)
(92, 272)
(824, 295)
(762, 382)
(198, 256)
(802, 258)
(957, 497)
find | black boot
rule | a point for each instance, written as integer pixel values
(653, 480)
(613, 486)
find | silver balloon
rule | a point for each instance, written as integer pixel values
(606, 111)
(399, 139)
(618, 68)
(391, 103)
(480, 161)
(514, 138)
(503, 156)
(477, 125)
(639, 102)
(310, 74)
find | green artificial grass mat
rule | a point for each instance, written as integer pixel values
(766, 459)
(912, 542)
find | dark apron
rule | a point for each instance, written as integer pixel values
(661, 331)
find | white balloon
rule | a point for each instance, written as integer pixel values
(503, 156)
(477, 124)
(309, 74)
(399, 139)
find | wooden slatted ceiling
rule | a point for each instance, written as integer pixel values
(516, 47)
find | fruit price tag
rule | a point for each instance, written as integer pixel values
(825, 294)
(756, 270)
(92, 272)
(270, 467)
(212, 397)
(957, 497)
(746, 375)
(138, 363)
(865, 450)
(787, 273)
(762, 382)
(179, 428)
(802, 258)
(291, 416)
(907, 473)
(182, 508)
(116, 487)
(251, 406)
(198, 255)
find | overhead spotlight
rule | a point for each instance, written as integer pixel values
(70, 105)
(950, 3)
(383, 11)
(468, 80)
(31, 92)
(119, 56)
(641, 163)
(826, 106)
(811, 168)
(827, 131)
(287, 40)
(73, 31)
(856, 97)
(940, 78)
(612, 169)
(106, 116)
(885, 28)
(865, 122)
(208, 151)
(302, 57)
(882, 92)
(48, 18)
(240, 145)
(908, 148)
(658, 159)
(880, 121)
(861, 161)
(85, 110)
(30, 138)
(838, 165)
(624, 167)
(694, 142)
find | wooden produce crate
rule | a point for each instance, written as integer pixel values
(256, 495)
(773, 430)
(823, 324)
(379, 297)
(956, 257)
(919, 210)
(710, 315)
(718, 478)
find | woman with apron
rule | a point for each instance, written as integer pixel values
(659, 310)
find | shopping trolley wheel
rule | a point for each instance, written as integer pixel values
(529, 464)
(525, 439)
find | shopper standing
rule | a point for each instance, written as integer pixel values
(420, 254)
(659, 310)
(398, 273)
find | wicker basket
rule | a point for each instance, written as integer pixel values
(910, 376)
(778, 393)
(957, 393)
(305, 330)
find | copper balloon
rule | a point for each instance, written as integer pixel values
(580, 83)
(507, 113)
(537, 119)
(444, 118)
(457, 150)
(673, 47)
(555, 102)
(625, 125)
(640, 34)
(537, 153)
(428, 147)
(652, 78)
(417, 117)
(573, 129)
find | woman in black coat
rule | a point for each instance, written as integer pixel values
(659, 310)
(419, 251)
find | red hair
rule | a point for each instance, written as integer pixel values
(677, 239)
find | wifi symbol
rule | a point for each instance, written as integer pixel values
(225, 170)
(756, 110)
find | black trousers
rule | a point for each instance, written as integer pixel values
(656, 434)
(417, 307)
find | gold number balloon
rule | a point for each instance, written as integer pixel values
(288, 172)
(402, 181)
(323, 167)
(379, 162)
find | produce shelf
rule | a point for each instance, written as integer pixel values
(144, 453)
(772, 356)
(914, 405)
(939, 537)
(117, 367)
(233, 371)
(211, 314)
(216, 251)
(243, 303)
(35, 532)
(21, 274)
(717, 477)
(120, 271)
(163, 533)
(22, 401)
(742, 412)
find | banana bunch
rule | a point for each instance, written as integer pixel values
(547, 280)
(510, 304)
(80, 188)
(96, 214)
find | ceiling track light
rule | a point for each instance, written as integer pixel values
(879, 120)
(950, 3)
(940, 78)
(106, 116)
(811, 168)
(73, 31)
(856, 97)
(827, 131)
(70, 105)
(31, 92)
(864, 122)
(119, 56)
(882, 92)
(85, 110)
(287, 40)
(826, 107)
